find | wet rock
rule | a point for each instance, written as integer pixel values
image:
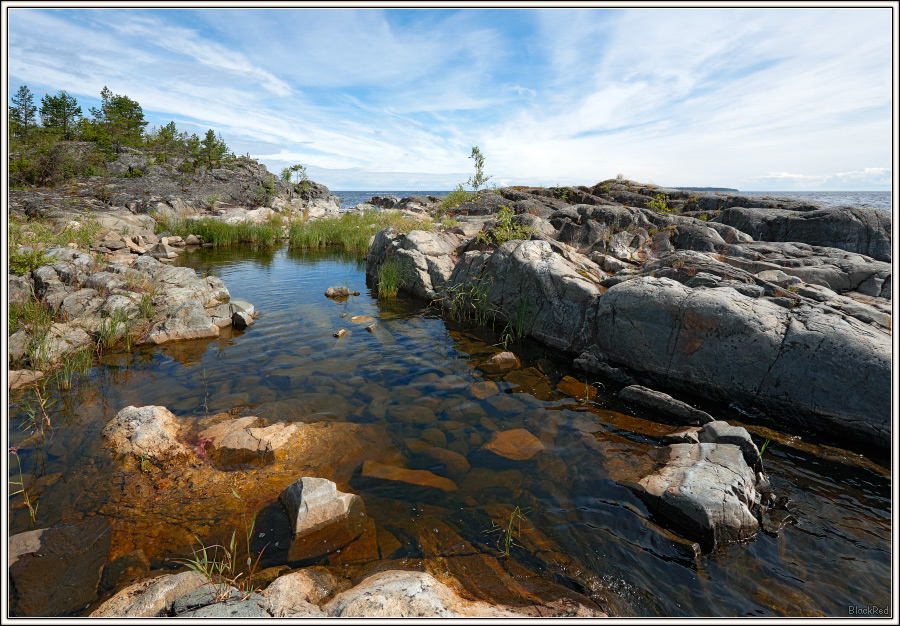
(664, 403)
(128, 567)
(241, 320)
(382, 473)
(24, 543)
(445, 462)
(704, 490)
(149, 431)
(393, 594)
(358, 319)
(516, 445)
(723, 432)
(485, 389)
(189, 321)
(323, 519)
(337, 292)
(152, 597)
(61, 576)
(502, 362)
(340, 333)
(576, 389)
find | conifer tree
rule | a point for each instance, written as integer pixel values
(60, 113)
(21, 113)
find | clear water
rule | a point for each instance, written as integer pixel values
(872, 199)
(582, 525)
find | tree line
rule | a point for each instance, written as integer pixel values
(118, 122)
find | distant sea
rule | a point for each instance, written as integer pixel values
(874, 199)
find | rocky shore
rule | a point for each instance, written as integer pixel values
(780, 308)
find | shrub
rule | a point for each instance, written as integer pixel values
(505, 229)
(23, 262)
(455, 198)
(660, 204)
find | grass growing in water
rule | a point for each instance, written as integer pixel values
(505, 540)
(32, 506)
(351, 231)
(389, 277)
(220, 233)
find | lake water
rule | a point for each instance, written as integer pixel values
(874, 199)
(419, 381)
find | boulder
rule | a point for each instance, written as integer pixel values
(57, 572)
(323, 519)
(659, 401)
(297, 594)
(20, 378)
(189, 321)
(151, 597)
(241, 320)
(426, 259)
(150, 431)
(394, 594)
(502, 362)
(704, 490)
(727, 346)
(162, 251)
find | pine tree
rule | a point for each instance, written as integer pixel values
(213, 147)
(60, 113)
(122, 118)
(21, 113)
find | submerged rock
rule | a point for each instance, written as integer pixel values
(323, 519)
(57, 572)
(665, 403)
(516, 445)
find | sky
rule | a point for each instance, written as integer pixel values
(383, 99)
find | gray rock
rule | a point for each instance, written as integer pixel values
(323, 519)
(426, 259)
(666, 404)
(20, 378)
(723, 432)
(704, 490)
(393, 594)
(255, 606)
(150, 431)
(855, 229)
(189, 321)
(162, 251)
(150, 598)
(297, 594)
(19, 289)
(203, 596)
(726, 346)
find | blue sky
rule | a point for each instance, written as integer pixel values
(765, 99)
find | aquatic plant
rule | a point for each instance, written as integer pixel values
(74, 363)
(505, 539)
(389, 278)
(219, 564)
(108, 332)
(32, 506)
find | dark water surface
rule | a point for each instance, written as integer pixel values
(418, 377)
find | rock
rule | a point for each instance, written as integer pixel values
(394, 594)
(188, 321)
(371, 327)
(484, 389)
(241, 320)
(19, 289)
(20, 378)
(202, 596)
(24, 543)
(664, 403)
(443, 461)
(855, 229)
(61, 576)
(502, 362)
(149, 431)
(323, 519)
(726, 346)
(192, 240)
(337, 292)
(255, 606)
(358, 319)
(723, 432)
(127, 567)
(576, 389)
(426, 259)
(380, 472)
(238, 441)
(296, 594)
(162, 251)
(150, 598)
(517, 444)
(340, 333)
(706, 491)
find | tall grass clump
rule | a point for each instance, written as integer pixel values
(220, 233)
(389, 276)
(351, 231)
